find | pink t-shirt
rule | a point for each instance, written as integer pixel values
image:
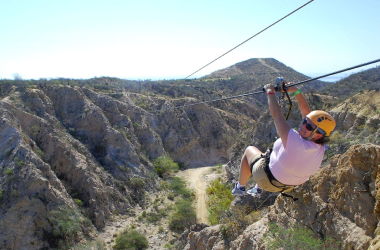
(294, 164)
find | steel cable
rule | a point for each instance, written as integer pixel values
(250, 38)
(262, 91)
(336, 72)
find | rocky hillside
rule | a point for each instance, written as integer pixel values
(358, 117)
(355, 83)
(341, 201)
(75, 153)
(72, 154)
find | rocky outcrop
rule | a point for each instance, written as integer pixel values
(340, 201)
(60, 153)
(211, 239)
(200, 132)
(358, 117)
(42, 170)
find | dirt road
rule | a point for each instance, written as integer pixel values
(198, 179)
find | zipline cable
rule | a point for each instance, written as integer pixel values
(262, 91)
(336, 72)
(250, 38)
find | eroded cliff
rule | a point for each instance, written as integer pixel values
(70, 154)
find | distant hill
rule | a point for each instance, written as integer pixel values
(256, 67)
(353, 84)
(256, 72)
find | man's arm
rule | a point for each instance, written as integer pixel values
(302, 103)
(280, 122)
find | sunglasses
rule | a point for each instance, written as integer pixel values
(308, 126)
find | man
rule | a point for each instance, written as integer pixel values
(296, 155)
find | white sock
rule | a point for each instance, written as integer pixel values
(239, 185)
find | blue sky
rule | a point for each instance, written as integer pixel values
(173, 38)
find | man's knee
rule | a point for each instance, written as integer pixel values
(252, 150)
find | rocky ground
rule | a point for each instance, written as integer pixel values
(157, 240)
(158, 234)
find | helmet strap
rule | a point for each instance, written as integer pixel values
(310, 137)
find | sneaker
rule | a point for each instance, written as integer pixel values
(255, 192)
(238, 191)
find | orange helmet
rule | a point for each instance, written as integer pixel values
(323, 121)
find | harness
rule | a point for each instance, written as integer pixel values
(272, 179)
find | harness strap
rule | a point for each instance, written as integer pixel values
(268, 172)
(272, 178)
(284, 90)
(290, 103)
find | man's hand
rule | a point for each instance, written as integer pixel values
(292, 88)
(269, 88)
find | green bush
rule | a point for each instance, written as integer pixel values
(136, 183)
(66, 224)
(338, 144)
(131, 239)
(178, 186)
(40, 153)
(124, 168)
(155, 217)
(163, 185)
(171, 196)
(19, 163)
(7, 152)
(8, 171)
(296, 238)
(219, 200)
(236, 220)
(78, 202)
(184, 215)
(165, 165)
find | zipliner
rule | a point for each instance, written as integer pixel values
(295, 156)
